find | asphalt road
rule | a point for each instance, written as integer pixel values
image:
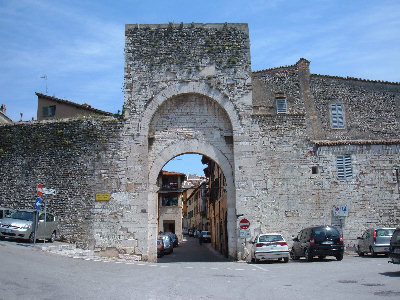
(191, 272)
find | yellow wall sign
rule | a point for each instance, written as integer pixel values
(103, 196)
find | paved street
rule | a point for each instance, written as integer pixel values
(191, 272)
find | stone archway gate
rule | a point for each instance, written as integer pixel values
(187, 90)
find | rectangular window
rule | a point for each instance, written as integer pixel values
(344, 167)
(337, 116)
(49, 111)
(281, 106)
(170, 201)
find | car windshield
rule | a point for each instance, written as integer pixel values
(323, 233)
(22, 215)
(384, 232)
(206, 233)
(270, 238)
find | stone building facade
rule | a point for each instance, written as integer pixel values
(292, 145)
(170, 202)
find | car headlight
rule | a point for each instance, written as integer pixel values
(26, 226)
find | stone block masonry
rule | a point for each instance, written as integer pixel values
(77, 158)
(189, 89)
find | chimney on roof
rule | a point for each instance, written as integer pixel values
(3, 108)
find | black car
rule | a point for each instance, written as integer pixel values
(394, 249)
(318, 241)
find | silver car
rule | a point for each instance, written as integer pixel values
(20, 225)
(5, 212)
(375, 241)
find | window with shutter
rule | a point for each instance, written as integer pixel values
(344, 167)
(337, 116)
(281, 106)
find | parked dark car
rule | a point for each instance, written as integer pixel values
(174, 238)
(160, 247)
(168, 247)
(191, 232)
(375, 241)
(394, 253)
(318, 241)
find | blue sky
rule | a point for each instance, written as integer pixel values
(79, 44)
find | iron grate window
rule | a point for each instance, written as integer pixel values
(337, 116)
(344, 167)
(281, 106)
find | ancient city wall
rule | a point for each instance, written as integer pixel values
(74, 157)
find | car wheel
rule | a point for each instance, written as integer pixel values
(293, 255)
(2, 238)
(359, 252)
(32, 237)
(52, 237)
(256, 260)
(308, 255)
(373, 253)
(286, 259)
(339, 256)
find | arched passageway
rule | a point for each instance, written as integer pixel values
(190, 203)
(191, 123)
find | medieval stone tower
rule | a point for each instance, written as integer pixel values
(188, 90)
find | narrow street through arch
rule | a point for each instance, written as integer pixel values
(190, 250)
(187, 204)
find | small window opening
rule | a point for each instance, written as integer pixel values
(281, 105)
(314, 170)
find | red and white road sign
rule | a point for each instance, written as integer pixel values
(39, 189)
(244, 224)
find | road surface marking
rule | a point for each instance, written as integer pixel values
(261, 268)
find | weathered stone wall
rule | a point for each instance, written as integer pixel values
(289, 196)
(74, 157)
(372, 195)
(207, 65)
(371, 109)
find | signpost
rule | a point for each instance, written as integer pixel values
(244, 224)
(340, 211)
(244, 231)
(38, 205)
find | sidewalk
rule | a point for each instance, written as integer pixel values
(70, 250)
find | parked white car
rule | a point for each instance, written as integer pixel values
(269, 246)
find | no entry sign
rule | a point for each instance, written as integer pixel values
(244, 224)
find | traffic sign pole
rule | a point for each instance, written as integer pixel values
(244, 224)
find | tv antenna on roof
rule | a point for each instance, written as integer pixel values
(45, 78)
